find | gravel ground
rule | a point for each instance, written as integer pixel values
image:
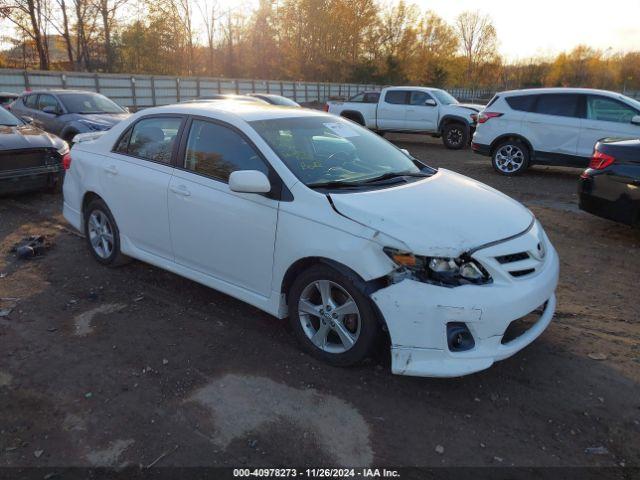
(113, 367)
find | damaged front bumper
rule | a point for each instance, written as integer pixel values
(417, 314)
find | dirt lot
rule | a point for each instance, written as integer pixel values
(106, 366)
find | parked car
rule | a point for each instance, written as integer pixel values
(551, 126)
(226, 96)
(412, 110)
(610, 187)
(275, 99)
(66, 113)
(310, 216)
(6, 98)
(30, 159)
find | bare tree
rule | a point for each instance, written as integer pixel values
(478, 41)
(29, 16)
(208, 10)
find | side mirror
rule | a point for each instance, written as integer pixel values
(636, 120)
(249, 181)
(430, 103)
(51, 109)
(27, 120)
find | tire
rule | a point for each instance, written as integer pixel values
(341, 340)
(99, 223)
(511, 157)
(455, 136)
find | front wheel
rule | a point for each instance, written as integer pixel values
(510, 157)
(455, 136)
(331, 317)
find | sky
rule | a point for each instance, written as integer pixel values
(546, 27)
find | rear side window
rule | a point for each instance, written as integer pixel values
(608, 110)
(558, 104)
(522, 103)
(357, 98)
(30, 100)
(152, 139)
(397, 97)
(216, 151)
(47, 101)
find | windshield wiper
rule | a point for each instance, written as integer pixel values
(335, 184)
(390, 175)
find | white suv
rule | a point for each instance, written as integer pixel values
(552, 126)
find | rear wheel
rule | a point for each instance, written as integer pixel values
(455, 136)
(102, 234)
(510, 157)
(331, 317)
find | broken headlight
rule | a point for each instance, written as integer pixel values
(450, 272)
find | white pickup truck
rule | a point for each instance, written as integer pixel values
(412, 110)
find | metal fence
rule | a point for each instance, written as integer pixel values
(142, 91)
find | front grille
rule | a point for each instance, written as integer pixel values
(514, 257)
(20, 159)
(522, 325)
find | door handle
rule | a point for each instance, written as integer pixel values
(111, 169)
(411, 109)
(181, 190)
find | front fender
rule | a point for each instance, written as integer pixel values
(453, 118)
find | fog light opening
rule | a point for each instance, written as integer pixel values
(459, 337)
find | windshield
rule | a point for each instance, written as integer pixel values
(327, 149)
(89, 103)
(632, 101)
(7, 118)
(445, 98)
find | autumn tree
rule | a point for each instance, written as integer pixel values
(478, 42)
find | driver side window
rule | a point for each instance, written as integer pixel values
(216, 151)
(419, 98)
(48, 101)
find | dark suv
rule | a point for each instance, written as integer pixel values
(66, 113)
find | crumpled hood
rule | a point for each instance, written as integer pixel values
(444, 215)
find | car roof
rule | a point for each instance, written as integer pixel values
(414, 87)
(558, 90)
(57, 91)
(247, 111)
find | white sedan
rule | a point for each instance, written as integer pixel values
(309, 216)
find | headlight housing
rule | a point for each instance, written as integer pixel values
(449, 272)
(94, 125)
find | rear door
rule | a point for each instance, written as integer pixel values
(553, 127)
(27, 107)
(135, 180)
(605, 117)
(421, 117)
(392, 110)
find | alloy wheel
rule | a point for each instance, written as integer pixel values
(101, 234)
(509, 158)
(329, 316)
(454, 136)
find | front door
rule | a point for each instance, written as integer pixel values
(606, 117)
(217, 232)
(421, 117)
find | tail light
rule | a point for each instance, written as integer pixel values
(484, 117)
(326, 107)
(600, 160)
(66, 161)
